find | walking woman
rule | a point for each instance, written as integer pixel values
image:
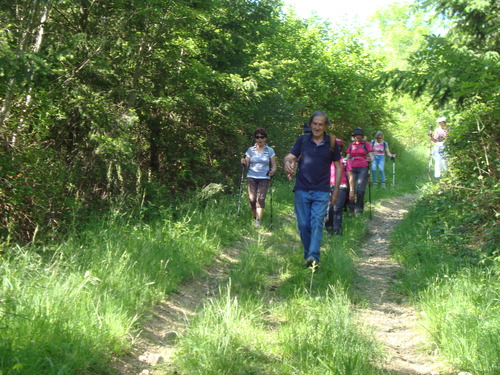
(260, 160)
(380, 148)
(359, 154)
(333, 224)
(438, 138)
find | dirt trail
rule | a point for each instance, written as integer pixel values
(394, 322)
(156, 343)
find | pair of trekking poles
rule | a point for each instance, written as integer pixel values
(241, 193)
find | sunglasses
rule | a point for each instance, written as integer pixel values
(260, 136)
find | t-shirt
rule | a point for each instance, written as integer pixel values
(314, 163)
(259, 162)
(345, 169)
(378, 148)
(358, 152)
(440, 134)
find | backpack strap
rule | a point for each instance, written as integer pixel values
(364, 147)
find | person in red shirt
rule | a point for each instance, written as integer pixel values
(359, 155)
(333, 224)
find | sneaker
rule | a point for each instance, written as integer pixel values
(256, 223)
(383, 185)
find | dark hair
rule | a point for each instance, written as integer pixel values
(260, 131)
(319, 113)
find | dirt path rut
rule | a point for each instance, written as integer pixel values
(394, 322)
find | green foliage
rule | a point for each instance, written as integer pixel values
(477, 132)
(135, 101)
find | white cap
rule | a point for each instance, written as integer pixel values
(441, 119)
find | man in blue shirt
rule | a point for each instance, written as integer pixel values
(313, 155)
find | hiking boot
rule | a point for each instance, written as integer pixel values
(312, 263)
(256, 223)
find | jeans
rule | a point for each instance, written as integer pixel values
(439, 159)
(310, 208)
(378, 163)
(335, 212)
(360, 175)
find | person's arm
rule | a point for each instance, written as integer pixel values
(273, 166)
(389, 152)
(350, 176)
(433, 136)
(290, 162)
(245, 161)
(338, 177)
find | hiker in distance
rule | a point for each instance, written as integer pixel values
(438, 138)
(359, 154)
(333, 224)
(380, 149)
(260, 160)
(312, 155)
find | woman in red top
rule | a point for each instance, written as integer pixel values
(359, 154)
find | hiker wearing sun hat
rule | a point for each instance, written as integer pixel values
(438, 154)
(359, 154)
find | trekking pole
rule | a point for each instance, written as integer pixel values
(241, 187)
(431, 128)
(271, 188)
(393, 171)
(370, 190)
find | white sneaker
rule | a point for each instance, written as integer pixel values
(383, 185)
(256, 223)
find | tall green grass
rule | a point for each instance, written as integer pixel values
(70, 306)
(277, 317)
(462, 314)
(447, 247)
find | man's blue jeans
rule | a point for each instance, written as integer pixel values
(310, 208)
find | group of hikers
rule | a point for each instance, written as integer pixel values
(325, 182)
